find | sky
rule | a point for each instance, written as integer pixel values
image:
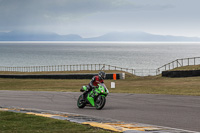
(90, 18)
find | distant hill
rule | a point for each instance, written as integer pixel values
(34, 36)
(143, 37)
(113, 36)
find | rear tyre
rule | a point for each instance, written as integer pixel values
(80, 103)
(100, 102)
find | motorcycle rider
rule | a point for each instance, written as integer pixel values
(94, 83)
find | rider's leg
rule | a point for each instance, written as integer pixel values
(89, 88)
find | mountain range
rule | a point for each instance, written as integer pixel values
(113, 36)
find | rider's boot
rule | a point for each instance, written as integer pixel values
(84, 96)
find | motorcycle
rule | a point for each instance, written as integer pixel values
(95, 98)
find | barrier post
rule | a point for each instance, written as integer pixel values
(114, 76)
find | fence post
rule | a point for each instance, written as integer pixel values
(157, 71)
(132, 71)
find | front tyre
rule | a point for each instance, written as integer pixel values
(100, 102)
(80, 103)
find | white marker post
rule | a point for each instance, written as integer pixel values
(112, 85)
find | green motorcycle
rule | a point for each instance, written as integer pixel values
(95, 98)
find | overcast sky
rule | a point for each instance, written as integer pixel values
(90, 18)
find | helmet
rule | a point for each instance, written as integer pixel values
(102, 75)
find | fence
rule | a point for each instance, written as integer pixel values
(93, 67)
(179, 63)
(54, 68)
(80, 67)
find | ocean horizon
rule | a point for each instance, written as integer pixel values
(133, 55)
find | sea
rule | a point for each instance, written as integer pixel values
(132, 55)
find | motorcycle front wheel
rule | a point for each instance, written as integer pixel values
(80, 103)
(100, 102)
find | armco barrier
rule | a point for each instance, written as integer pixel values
(62, 76)
(189, 73)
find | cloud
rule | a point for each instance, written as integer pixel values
(36, 13)
(33, 8)
(97, 16)
(39, 11)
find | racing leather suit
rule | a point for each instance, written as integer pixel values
(93, 83)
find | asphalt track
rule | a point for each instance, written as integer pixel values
(182, 112)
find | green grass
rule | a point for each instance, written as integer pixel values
(22, 123)
(144, 85)
(132, 84)
(160, 85)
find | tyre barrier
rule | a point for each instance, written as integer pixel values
(188, 73)
(63, 76)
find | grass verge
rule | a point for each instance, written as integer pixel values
(132, 84)
(22, 123)
(142, 85)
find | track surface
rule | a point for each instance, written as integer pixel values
(181, 112)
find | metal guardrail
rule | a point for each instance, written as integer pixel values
(93, 67)
(179, 63)
(79, 67)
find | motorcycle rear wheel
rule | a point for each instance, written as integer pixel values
(100, 102)
(80, 103)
